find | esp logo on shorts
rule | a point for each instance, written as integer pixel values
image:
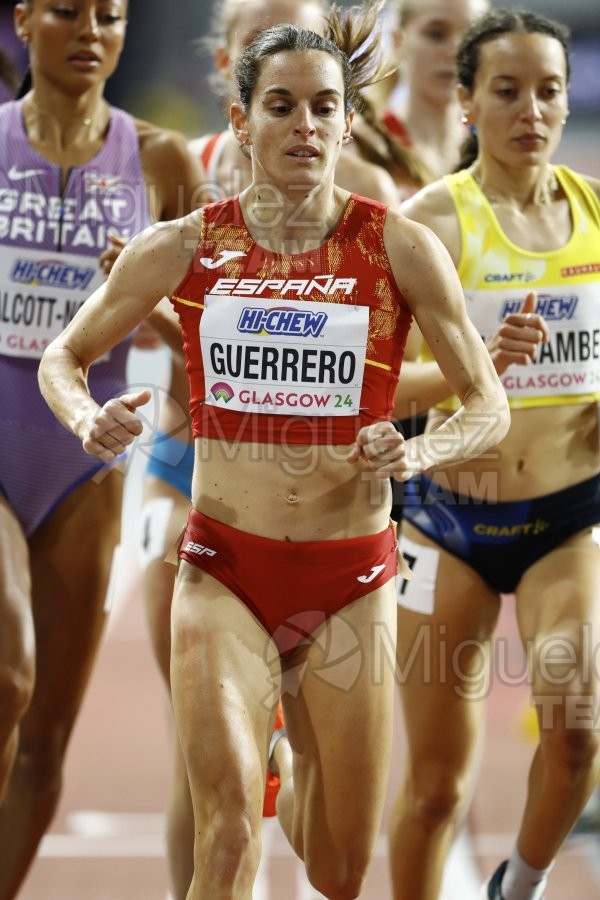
(199, 549)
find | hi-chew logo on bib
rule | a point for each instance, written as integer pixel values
(568, 363)
(52, 273)
(282, 320)
(39, 297)
(289, 357)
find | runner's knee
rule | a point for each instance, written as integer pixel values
(338, 878)
(573, 749)
(16, 689)
(41, 757)
(435, 794)
(17, 670)
(230, 845)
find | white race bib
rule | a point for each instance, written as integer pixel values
(40, 292)
(287, 357)
(569, 364)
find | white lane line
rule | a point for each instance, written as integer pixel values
(95, 833)
(67, 846)
(100, 823)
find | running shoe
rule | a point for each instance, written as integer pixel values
(273, 781)
(491, 889)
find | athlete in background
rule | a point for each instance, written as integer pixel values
(423, 112)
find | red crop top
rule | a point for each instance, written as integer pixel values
(300, 348)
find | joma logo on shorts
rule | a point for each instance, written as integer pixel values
(199, 549)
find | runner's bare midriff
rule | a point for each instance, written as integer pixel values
(291, 492)
(547, 449)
